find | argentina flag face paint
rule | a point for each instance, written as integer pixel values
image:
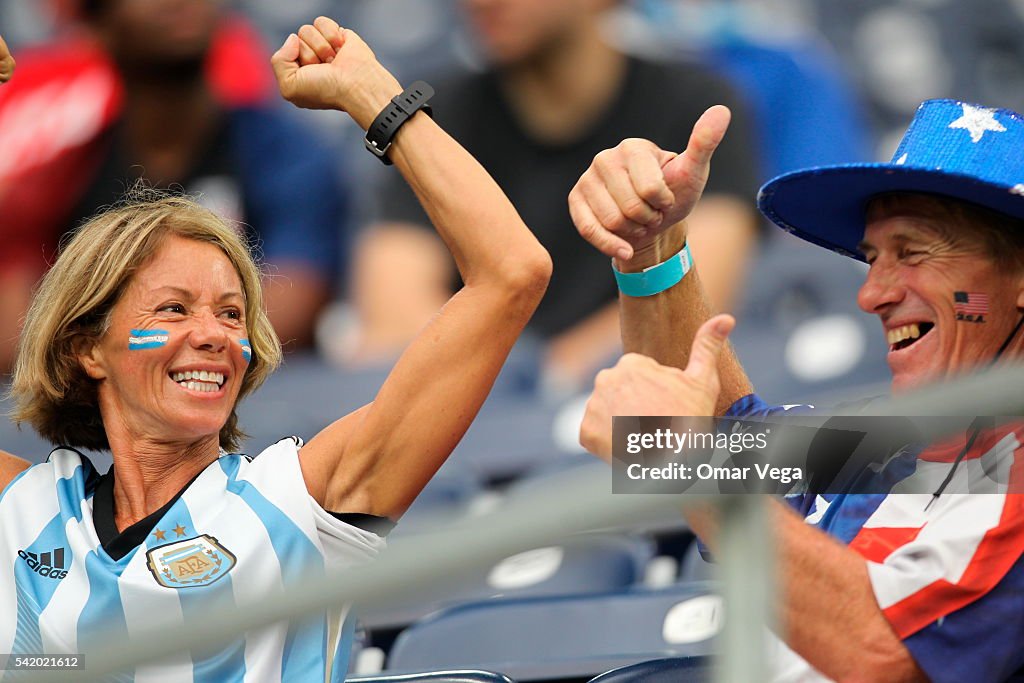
(147, 339)
(246, 349)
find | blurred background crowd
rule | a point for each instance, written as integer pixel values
(179, 92)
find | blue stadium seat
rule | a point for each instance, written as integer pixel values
(546, 638)
(694, 567)
(800, 334)
(672, 670)
(585, 564)
(511, 434)
(456, 676)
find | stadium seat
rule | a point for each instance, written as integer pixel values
(548, 638)
(459, 676)
(800, 334)
(694, 567)
(672, 670)
(584, 564)
(511, 434)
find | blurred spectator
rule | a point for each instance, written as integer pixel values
(905, 51)
(555, 94)
(805, 110)
(175, 92)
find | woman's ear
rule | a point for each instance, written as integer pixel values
(90, 357)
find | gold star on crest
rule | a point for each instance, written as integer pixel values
(160, 535)
(180, 530)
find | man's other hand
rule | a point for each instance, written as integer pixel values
(639, 385)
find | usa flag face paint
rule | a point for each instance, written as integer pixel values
(971, 307)
(141, 340)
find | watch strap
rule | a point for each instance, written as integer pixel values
(381, 132)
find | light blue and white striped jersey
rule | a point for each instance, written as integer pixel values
(243, 526)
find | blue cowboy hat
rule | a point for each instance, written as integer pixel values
(953, 149)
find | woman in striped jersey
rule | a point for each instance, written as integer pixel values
(142, 339)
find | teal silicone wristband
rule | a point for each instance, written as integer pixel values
(657, 278)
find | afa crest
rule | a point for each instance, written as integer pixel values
(194, 562)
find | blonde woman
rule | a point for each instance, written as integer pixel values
(142, 339)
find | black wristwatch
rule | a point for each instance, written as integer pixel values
(382, 131)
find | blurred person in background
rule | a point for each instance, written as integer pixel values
(177, 93)
(554, 95)
(804, 108)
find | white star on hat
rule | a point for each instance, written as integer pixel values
(978, 121)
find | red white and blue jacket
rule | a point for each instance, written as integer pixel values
(949, 577)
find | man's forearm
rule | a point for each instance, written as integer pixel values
(828, 611)
(663, 326)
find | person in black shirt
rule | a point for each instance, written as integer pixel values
(555, 95)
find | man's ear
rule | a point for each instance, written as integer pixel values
(90, 357)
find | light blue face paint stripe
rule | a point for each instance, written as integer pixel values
(147, 339)
(132, 346)
(224, 662)
(246, 349)
(304, 656)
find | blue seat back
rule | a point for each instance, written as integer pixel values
(584, 564)
(549, 637)
(455, 676)
(671, 670)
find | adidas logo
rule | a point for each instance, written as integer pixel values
(49, 564)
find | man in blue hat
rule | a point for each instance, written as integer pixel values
(918, 587)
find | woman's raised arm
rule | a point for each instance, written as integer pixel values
(377, 459)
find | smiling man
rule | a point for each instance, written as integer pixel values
(878, 587)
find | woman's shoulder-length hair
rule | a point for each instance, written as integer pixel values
(74, 300)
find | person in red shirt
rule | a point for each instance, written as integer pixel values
(178, 93)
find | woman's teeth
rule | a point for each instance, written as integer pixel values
(199, 380)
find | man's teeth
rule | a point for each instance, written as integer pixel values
(199, 380)
(899, 334)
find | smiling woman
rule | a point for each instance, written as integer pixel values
(142, 339)
(122, 272)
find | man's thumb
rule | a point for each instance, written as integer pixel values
(695, 163)
(707, 347)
